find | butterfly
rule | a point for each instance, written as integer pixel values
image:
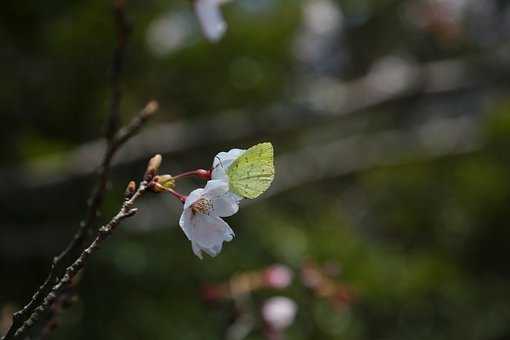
(252, 173)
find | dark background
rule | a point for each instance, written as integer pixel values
(391, 127)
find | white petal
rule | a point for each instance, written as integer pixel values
(222, 161)
(226, 158)
(215, 188)
(213, 251)
(197, 250)
(185, 222)
(225, 205)
(210, 231)
(234, 197)
(211, 19)
(219, 173)
(194, 196)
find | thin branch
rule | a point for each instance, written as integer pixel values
(103, 234)
(122, 136)
(113, 124)
(122, 32)
(63, 302)
(115, 139)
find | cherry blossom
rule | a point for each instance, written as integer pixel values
(201, 219)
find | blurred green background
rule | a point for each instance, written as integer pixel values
(391, 127)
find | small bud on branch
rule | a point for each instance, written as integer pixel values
(152, 167)
(150, 108)
(130, 190)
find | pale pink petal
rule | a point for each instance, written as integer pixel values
(210, 231)
(194, 196)
(225, 205)
(219, 173)
(234, 197)
(213, 251)
(214, 189)
(196, 250)
(185, 222)
(222, 161)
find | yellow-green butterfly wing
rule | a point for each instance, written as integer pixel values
(253, 172)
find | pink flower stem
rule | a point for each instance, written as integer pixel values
(201, 173)
(177, 195)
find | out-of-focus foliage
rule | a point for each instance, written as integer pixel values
(420, 245)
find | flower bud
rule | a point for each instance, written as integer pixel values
(153, 167)
(130, 190)
(150, 108)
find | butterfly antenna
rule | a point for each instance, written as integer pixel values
(219, 160)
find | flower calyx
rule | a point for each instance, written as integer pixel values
(163, 183)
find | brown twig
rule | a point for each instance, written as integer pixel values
(121, 137)
(63, 302)
(122, 32)
(103, 234)
(115, 139)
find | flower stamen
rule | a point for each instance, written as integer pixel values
(203, 206)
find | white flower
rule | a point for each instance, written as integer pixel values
(201, 220)
(279, 312)
(211, 19)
